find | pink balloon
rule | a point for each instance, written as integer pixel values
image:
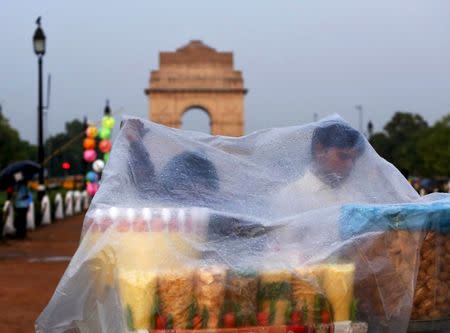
(90, 155)
(91, 188)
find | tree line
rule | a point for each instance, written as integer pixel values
(13, 148)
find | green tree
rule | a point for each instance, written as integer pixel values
(382, 144)
(411, 145)
(404, 130)
(66, 147)
(434, 147)
(12, 148)
(398, 142)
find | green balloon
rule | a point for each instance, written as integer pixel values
(105, 133)
(106, 157)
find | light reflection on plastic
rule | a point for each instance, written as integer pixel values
(98, 213)
(113, 212)
(181, 216)
(130, 214)
(165, 214)
(147, 214)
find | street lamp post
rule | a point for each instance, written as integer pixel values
(39, 49)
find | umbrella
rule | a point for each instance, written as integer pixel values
(27, 168)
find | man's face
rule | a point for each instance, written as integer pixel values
(334, 164)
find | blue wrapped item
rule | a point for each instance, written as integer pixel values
(357, 219)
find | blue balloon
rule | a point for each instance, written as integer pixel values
(92, 177)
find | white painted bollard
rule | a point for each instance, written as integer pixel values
(59, 207)
(31, 225)
(45, 211)
(85, 199)
(69, 203)
(8, 211)
(77, 202)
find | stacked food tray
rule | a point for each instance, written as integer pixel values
(407, 238)
(152, 261)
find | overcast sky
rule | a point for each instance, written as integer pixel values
(297, 57)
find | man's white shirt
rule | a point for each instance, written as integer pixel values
(309, 192)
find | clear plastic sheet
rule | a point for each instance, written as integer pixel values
(190, 231)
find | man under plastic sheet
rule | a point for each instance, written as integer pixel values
(334, 174)
(189, 178)
(334, 150)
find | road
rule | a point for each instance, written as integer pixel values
(30, 271)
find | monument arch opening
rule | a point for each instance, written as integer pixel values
(196, 118)
(197, 74)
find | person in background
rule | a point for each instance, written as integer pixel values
(21, 205)
(334, 149)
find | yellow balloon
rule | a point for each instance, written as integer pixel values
(108, 122)
(91, 132)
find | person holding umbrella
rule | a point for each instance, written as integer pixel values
(21, 204)
(17, 175)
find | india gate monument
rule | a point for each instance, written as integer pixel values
(198, 76)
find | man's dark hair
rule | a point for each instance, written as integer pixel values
(337, 135)
(189, 173)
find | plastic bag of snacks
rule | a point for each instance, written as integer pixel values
(196, 232)
(396, 234)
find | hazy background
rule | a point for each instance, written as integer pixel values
(298, 57)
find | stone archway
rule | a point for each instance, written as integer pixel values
(197, 75)
(196, 118)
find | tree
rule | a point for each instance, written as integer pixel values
(412, 146)
(12, 148)
(66, 147)
(382, 144)
(434, 147)
(398, 143)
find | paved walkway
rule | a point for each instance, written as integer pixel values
(30, 271)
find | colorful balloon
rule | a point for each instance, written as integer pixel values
(90, 155)
(91, 188)
(106, 157)
(108, 122)
(91, 132)
(105, 146)
(91, 177)
(105, 133)
(89, 143)
(98, 166)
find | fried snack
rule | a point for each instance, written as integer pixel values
(137, 293)
(433, 281)
(305, 287)
(210, 292)
(275, 293)
(176, 292)
(241, 291)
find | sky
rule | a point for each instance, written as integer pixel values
(298, 57)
